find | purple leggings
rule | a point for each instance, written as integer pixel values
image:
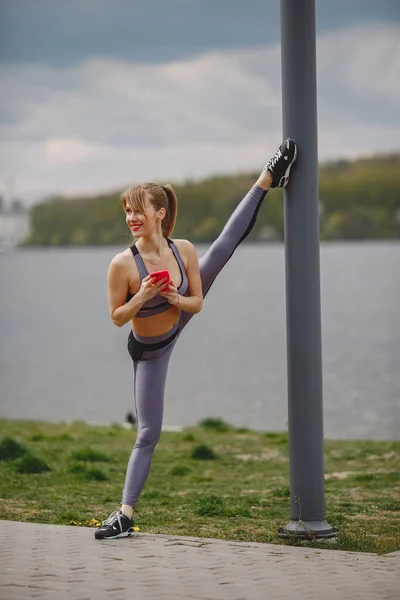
(151, 354)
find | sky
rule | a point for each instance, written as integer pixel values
(96, 95)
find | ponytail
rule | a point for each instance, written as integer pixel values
(168, 223)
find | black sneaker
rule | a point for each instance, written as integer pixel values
(116, 526)
(280, 164)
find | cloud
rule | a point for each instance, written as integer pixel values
(66, 33)
(359, 72)
(106, 123)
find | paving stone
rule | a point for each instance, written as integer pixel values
(57, 562)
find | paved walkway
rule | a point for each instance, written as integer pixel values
(56, 562)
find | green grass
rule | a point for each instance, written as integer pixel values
(29, 463)
(215, 424)
(235, 487)
(203, 452)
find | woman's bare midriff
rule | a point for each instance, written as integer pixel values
(157, 324)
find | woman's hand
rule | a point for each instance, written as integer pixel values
(149, 288)
(171, 294)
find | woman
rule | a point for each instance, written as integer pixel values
(159, 310)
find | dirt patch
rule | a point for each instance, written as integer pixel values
(272, 454)
(345, 474)
(379, 517)
(340, 474)
(388, 455)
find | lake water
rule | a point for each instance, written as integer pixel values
(62, 359)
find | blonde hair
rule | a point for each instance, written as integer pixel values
(160, 197)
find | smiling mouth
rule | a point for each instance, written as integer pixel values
(135, 227)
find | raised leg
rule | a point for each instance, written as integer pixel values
(276, 173)
(237, 228)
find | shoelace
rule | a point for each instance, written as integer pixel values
(275, 159)
(111, 518)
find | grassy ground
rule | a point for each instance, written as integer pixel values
(206, 481)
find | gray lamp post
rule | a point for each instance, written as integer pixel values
(303, 303)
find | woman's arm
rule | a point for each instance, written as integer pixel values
(118, 287)
(193, 302)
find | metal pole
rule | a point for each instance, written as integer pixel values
(303, 304)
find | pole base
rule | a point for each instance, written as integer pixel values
(307, 530)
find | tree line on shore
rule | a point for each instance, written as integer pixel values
(358, 200)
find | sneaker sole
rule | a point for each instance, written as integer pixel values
(285, 177)
(115, 537)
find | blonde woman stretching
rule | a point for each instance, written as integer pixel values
(158, 310)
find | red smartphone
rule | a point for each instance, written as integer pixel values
(157, 275)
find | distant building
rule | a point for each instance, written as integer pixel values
(17, 207)
(14, 224)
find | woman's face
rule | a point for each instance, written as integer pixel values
(144, 224)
